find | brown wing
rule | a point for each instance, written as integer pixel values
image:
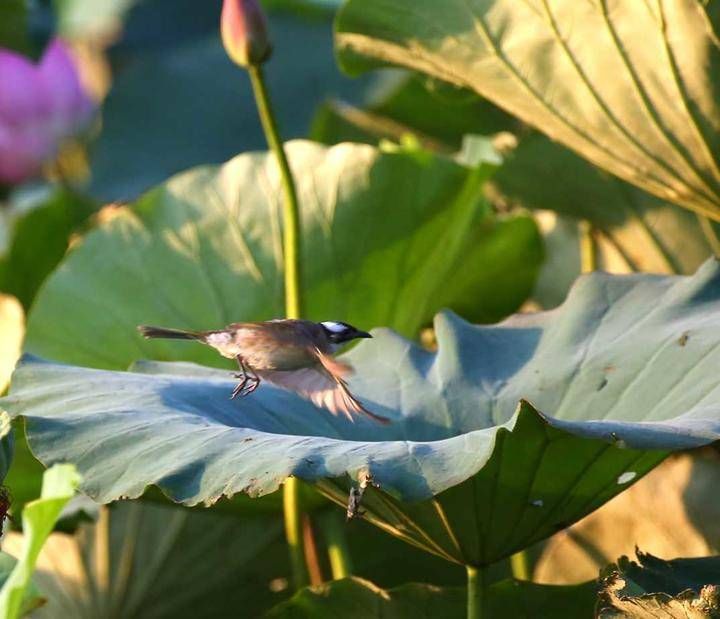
(324, 386)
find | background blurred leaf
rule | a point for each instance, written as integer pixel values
(356, 598)
(12, 330)
(38, 241)
(90, 18)
(672, 512)
(148, 560)
(39, 517)
(161, 558)
(13, 25)
(382, 233)
(439, 114)
(622, 86)
(649, 234)
(653, 587)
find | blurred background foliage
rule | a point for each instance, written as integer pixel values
(170, 100)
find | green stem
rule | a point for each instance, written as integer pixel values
(519, 565)
(476, 593)
(294, 533)
(291, 210)
(588, 262)
(338, 552)
(291, 251)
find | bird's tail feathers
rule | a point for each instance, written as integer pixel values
(169, 334)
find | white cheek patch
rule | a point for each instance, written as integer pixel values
(335, 327)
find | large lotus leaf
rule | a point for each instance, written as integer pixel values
(632, 86)
(382, 234)
(355, 598)
(619, 375)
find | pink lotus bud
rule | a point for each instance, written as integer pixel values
(40, 106)
(244, 32)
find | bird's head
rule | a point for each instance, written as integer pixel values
(341, 332)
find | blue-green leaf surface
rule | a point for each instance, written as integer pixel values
(469, 469)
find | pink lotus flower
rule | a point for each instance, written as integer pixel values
(244, 32)
(40, 106)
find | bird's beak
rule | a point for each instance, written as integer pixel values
(362, 334)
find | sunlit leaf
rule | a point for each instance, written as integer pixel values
(383, 233)
(629, 85)
(12, 329)
(618, 376)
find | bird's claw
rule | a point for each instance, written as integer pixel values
(245, 387)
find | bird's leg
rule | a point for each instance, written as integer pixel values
(242, 375)
(255, 381)
(246, 375)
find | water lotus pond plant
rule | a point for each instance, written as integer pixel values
(499, 438)
(448, 227)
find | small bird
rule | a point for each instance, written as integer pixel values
(293, 354)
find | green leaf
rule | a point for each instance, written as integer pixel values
(618, 376)
(653, 587)
(13, 25)
(650, 235)
(39, 517)
(38, 241)
(621, 85)
(355, 598)
(383, 232)
(141, 559)
(32, 599)
(439, 114)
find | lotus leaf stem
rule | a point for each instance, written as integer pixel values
(291, 251)
(519, 565)
(476, 593)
